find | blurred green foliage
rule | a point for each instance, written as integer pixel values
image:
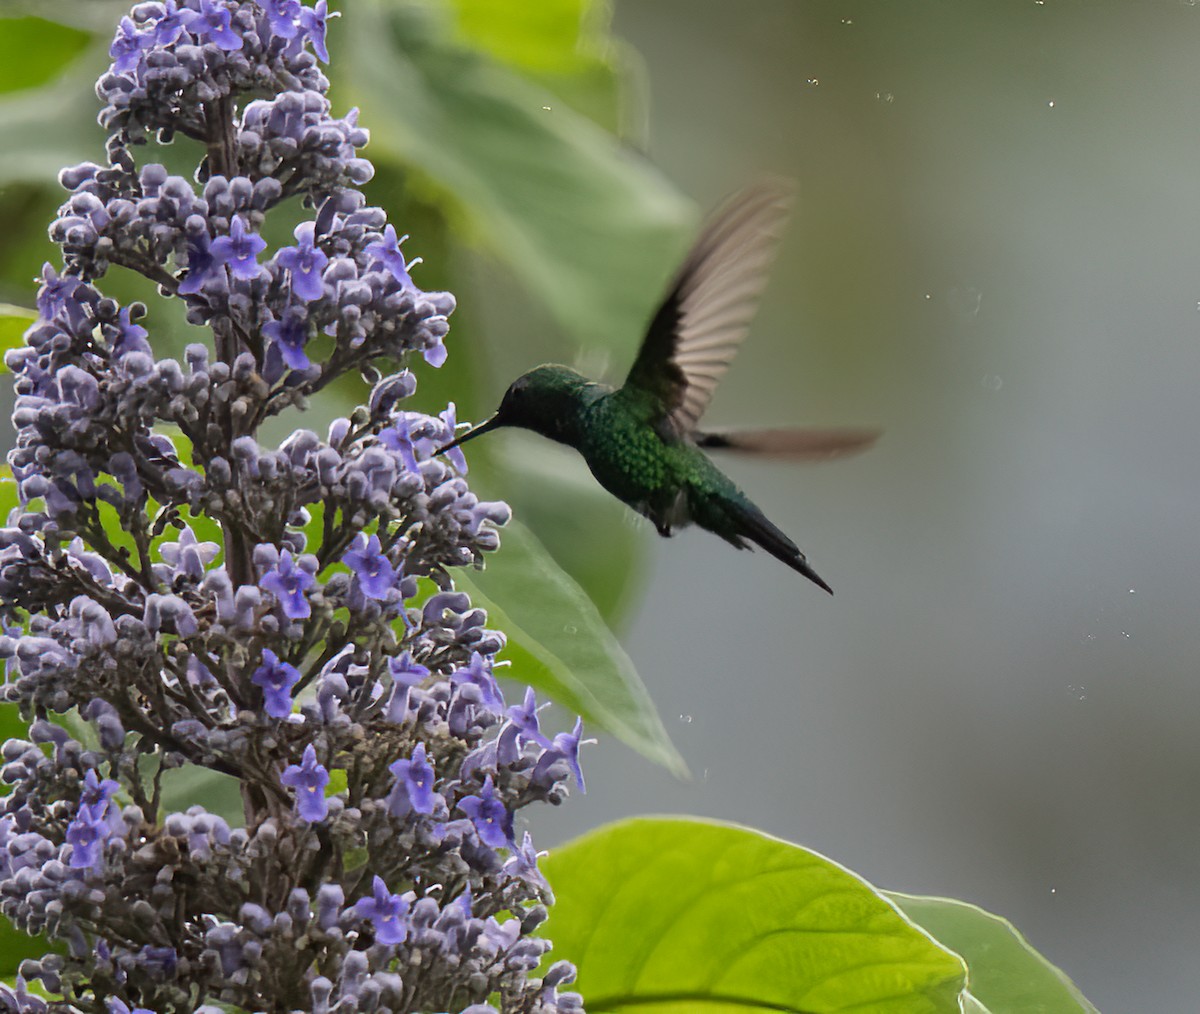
(33, 51)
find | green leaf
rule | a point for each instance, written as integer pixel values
(590, 228)
(559, 644)
(16, 946)
(14, 320)
(33, 51)
(1005, 973)
(563, 45)
(11, 727)
(8, 490)
(50, 127)
(548, 35)
(681, 915)
(191, 785)
(589, 532)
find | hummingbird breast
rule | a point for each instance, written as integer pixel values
(631, 460)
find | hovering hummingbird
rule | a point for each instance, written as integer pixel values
(642, 440)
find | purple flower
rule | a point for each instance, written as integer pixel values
(283, 16)
(387, 912)
(387, 252)
(521, 727)
(490, 816)
(566, 747)
(169, 26)
(374, 571)
(200, 263)
(276, 679)
(87, 835)
(97, 794)
(523, 864)
(407, 672)
(305, 261)
(397, 438)
(240, 249)
(309, 779)
(127, 46)
(116, 1006)
(131, 337)
(413, 790)
(213, 22)
(479, 673)
(435, 353)
(524, 718)
(288, 583)
(55, 292)
(314, 23)
(449, 425)
(289, 336)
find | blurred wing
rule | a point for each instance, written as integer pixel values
(697, 330)
(791, 445)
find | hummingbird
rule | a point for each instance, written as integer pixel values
(642, 441)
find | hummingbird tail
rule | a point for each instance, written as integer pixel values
(752, 524)
(790, 444)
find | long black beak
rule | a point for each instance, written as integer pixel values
(495, 422)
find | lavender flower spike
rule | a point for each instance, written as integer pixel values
(201, 600)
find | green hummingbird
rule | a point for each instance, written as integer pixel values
(642, 440)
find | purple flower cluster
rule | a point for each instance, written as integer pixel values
(174, 594)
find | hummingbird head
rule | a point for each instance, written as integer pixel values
(545, 400)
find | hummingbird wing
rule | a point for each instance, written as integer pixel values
(791, 444)
(706, 314)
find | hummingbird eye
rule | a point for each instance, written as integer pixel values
(516, 389)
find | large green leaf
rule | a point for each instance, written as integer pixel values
(592, 535)
(559, 644)
(590, 227)
(548, 35)
(50, 127)
(563, 45)
(16, 946)
(1004, 972)
(684, 915)
(32, 51)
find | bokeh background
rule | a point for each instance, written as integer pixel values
(995, 258)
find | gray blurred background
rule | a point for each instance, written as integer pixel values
(996, 258)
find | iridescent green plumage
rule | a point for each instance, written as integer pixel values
(641, 440)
